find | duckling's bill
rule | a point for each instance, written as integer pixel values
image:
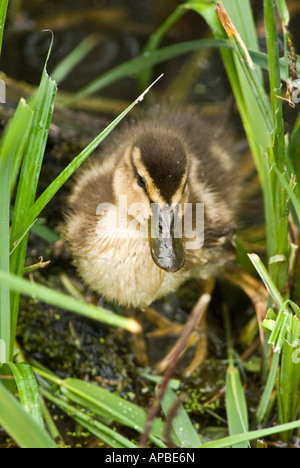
(165, 242)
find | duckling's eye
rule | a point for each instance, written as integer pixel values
(141, 181)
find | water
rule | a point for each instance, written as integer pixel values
(122, 28)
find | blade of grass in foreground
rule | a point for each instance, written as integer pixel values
(4, 261)
(115, 407)
(288, 395)
(3, 9)
(273, 371)
(285, 332)
(252, 435)
(106, 405)
(25, 431)
(236, 406)
(183, 429)
(283, 12)
(108, 436)
(42, 105)
(10, 144)
(289, 187)
(278, 244)
(28, 390)
(51, 190)
(59, 299)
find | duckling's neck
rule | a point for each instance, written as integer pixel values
(123, 269)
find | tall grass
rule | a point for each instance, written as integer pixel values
(21, 157)
(3, 9)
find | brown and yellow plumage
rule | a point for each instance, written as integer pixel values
(167, 159)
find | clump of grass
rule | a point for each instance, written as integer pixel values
(3, 9)
(21, 156)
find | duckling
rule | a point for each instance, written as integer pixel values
(158, 206)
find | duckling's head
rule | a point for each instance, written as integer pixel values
(154, 173)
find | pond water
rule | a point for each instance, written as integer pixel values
(121, 27)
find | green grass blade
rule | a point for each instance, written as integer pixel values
(264, 403)
(105, 405)
(252, 435)
(10, 143)
(3, 10)
(64, 68)
(254, 123)
(289, 377)
(53, 188)
(183, 429)
(104, 433)
(14, 134)
(28, 390)
(142, 62)
(283, 12)
(281, 325)
(276, 337)
(261, 59)
(278, 152)
(41, 230)
(289, 189)
(174, 384)
(253, 91)
(154, 42)
(58, 299)
(25, 431)
(109, 436)
(274, 68)
(236, 406)
(5, 323)
(294, 147)
(269, 283)
(285, 332)
(241, 15)
(42, 105)
(113, 406)
(269, 203)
